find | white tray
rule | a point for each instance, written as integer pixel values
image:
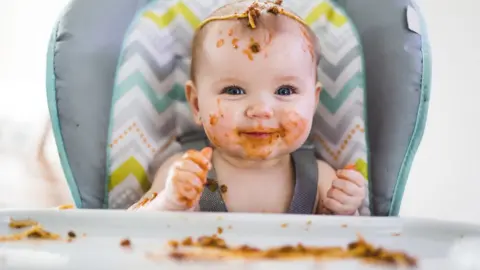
(431, 241)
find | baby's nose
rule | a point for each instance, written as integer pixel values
(259, 111)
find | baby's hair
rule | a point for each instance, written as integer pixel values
(250, 11)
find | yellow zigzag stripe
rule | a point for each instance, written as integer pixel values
(131, 166)
(329, 11)
(180, 8)
(164, 20)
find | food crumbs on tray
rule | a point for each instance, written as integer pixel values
(395, 234)
(284, 225)
(229, 227)
(34, 231)
(21, 223)
(187, 241)
(223, 188)
(65, 207)
(214, 248)
(219, 230)
(173, 244)
(344, 226)
(219, 218)
(178, 256)
(72, 234)
(309, 222)
(126, 243)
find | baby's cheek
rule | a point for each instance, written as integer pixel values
(296, 128)
(220, 129)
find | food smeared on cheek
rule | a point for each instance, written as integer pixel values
(215, 117)
(230, 32)
(220, 43)
(294, 127)
(213, 120)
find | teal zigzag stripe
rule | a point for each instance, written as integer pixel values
(160, 102)
(333, 104)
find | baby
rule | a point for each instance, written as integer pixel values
(254, 90)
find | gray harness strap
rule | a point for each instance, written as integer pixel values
(306, 178)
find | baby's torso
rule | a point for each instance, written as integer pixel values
(255, 191)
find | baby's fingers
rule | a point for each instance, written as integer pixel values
(348, 187)
(337, 207)
(202, 158)
(341, 197)
(188, 179)
(353, 176)
(192, 167)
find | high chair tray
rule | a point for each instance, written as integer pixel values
(99, 234)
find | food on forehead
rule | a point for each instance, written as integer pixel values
(254, 11)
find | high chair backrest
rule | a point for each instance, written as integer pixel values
(115, 90)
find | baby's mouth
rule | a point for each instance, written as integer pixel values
(259, 133)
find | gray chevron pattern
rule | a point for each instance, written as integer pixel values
(333, 71)
(174, 62)
(331, 133)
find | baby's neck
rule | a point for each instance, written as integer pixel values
(223, 159)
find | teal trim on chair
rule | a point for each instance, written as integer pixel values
(53, 110)
(420, 122)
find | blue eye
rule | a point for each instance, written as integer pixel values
(285, 90)
(233, 90)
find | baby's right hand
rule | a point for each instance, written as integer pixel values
(187, 178)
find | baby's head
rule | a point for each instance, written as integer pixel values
(253, 79)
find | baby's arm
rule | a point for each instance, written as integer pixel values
(326, 175)
(158, 184)
(339, 192)
(178, 182)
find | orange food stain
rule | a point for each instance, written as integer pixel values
(294, 127)
(235, 43)
(220, 43)
(249, 54)
(213, 120)
(220, 111)
(230, 32)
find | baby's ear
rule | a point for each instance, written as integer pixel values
(192, 98)
(318, 89)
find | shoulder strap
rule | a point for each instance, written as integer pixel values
(306, 180)
(211, 199)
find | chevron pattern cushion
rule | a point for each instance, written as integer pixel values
(149, 107)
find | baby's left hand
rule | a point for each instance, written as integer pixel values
(347, 193)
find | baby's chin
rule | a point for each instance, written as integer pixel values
(258, 154)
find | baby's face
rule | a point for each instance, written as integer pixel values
(255, 102)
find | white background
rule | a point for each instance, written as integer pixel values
(443, 182)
